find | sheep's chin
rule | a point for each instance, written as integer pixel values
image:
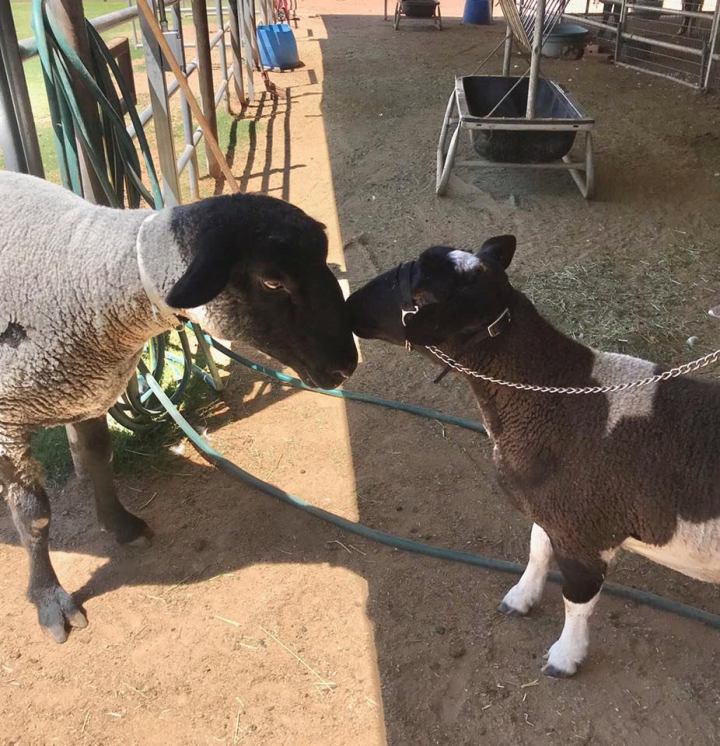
(200, 316)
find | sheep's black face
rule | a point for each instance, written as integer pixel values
(456, 292)
(258, 272)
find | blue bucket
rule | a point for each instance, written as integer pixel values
(477, 12)
(277, 46)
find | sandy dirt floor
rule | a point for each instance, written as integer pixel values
(247, 622)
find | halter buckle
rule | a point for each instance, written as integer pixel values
(404, 314)
(497, 327)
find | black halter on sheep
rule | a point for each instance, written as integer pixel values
(636, 470)
(85, 287)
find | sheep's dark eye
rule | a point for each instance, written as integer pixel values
(274, 285)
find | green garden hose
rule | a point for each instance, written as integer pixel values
(490, 563)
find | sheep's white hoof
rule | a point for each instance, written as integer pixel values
(562, 661)
(517, 601)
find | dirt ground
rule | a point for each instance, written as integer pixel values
(247, 622)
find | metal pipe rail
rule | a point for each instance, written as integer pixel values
(28, 47)
(173, 87)
(162, 89)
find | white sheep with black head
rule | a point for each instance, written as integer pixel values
(85, 287)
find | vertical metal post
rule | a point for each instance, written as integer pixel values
(205, 77)
(222, 52)
(188, 133)
(70, 17)
(714, 31)
(11, 145)
(535, 58)
(507, 54)
(161, 115)
(248, 40)
(18, 92)
(136, 39)
(620, 28)
(236, 51)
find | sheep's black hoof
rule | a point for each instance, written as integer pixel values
(129, 529)
(57, 612)
(508, 610)
(556, 673)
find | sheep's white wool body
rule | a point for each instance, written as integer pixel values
(694, 550)
(74, 314)
(612, 368)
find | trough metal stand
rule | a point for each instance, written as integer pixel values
(436, 17)
(582, 172)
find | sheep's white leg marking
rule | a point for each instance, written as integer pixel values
(528, 590)
(570, 650)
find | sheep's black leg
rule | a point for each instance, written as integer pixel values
(31, 514)
(581, 590)
(91, 446)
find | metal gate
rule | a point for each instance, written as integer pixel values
(675, 39)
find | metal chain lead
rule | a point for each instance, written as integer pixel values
(680, 370)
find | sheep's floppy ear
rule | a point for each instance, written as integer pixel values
(499, 249)
(203, 280)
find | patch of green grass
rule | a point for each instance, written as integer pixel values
(643, 308)
(22, 14)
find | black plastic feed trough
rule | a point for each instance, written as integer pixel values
(493, 109)
(496, 94)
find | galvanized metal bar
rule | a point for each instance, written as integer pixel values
(537, 42)
(105, 22)
(714, 32)
(657, 74)
(668, 11)
(247, 38)
(136, 38)
(507, 52)
(11, 144)
(662, 44)
(186, 114)
(205, 78)
(18, 92)
(558, 166)
(236, 51)
(160, 103)
(222, 54)
(587, 21)
(188, 151)
(198, 134)
(620, 26)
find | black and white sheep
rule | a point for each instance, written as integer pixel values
(636, 470)
(84, 288)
